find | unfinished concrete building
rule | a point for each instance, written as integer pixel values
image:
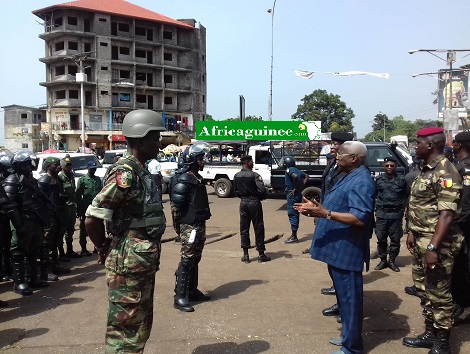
(23, 128)
(115, 57)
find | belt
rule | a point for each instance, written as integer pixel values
(249, 198)
(390, 210)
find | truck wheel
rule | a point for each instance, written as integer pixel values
(312, 193)
(223, 188)
(164, 187)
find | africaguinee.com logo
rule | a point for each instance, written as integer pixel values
(258, 130)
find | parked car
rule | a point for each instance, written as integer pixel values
(79, 162)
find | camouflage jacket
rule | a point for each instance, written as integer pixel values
(436, 188)
(87, 189)
(67, 189)
(129, 200)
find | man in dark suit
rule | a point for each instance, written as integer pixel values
(341, 239)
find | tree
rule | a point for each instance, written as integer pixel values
(327, 108)
(209, 118)
(381, 122)
(246, 118)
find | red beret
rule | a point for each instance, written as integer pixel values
(429, 131)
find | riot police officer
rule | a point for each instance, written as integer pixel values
(6, 158)
(295, 181)
(189, 196)
(249, 187)
(49, 183)
(130, 203)
(27, 218)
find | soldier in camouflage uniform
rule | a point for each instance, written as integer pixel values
(131, 206)
(67, 210)
(434, 239)
(189, 195)
(461, 274)
(88, 186)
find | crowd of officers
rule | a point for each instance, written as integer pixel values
(37, 215)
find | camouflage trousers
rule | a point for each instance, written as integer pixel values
(193, 238)
(434, 285)
(130, 274)
(176, 217)
(67, 217)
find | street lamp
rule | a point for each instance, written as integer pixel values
(270, 112)
(81, 78)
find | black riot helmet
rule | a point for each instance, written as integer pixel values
(288, 161)
(23, 161)
(6, 159)
(190, 155)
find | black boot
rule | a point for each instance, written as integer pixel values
(382, 265)
(246, 257)
(62, 256)
(194, 293)
(293, 238)
(263, 258)
(392, 265)
(181, 299)
(71, 253)
(34, 281)
(425, 340)
(45, 266)
(441, 345)
(20, 286)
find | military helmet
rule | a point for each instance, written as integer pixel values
(190, 155)
(23, 156)
(288, 161)
(139, 123)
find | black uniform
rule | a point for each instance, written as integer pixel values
(461, 273)
(249, 187)
(389, 208)
(330, 176)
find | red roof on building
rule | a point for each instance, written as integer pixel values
(114, 7)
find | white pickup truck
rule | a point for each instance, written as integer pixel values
(267, 162)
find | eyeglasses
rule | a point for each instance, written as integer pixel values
(389, 165)
(338, 155)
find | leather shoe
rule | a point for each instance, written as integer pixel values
(336, 341)
(331, 311)
(328, 291)
(263, 258)
(393, 266)
(246, 259)
(38, 284)
(382, 265)
(338, 319)
(49, 277)
(197, 295)
(411, 290)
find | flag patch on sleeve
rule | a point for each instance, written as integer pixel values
(448, 182)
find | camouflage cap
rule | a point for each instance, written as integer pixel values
(52, 160)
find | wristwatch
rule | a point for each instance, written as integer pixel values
(328, 216)
(431, 248)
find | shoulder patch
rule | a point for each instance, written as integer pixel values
(447, 181)
(124, 179)
(466, 180)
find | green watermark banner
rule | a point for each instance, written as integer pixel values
(258, 130)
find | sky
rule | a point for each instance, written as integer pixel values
(312, 35)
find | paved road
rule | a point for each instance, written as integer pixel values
(273, 307)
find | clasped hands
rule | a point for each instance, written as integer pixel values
(311, 208)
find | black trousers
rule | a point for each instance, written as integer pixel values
(385, 228)
(251, 211)
(461, 276)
